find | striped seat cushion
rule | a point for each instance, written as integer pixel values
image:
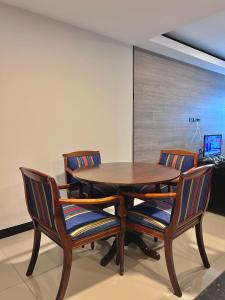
(155, 214)
(81, 221)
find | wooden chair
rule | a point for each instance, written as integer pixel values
(182, 160)
(84, 159)
(174, 213)
(70, 223)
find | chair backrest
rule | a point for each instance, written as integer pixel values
(42, 199)
(193, 192)
(181, 160)
(80, 159)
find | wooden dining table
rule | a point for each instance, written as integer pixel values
(127, 175)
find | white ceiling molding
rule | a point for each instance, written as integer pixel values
(206, 34)
(173, 49)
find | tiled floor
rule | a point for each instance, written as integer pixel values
(144, 278)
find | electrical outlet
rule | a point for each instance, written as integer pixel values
(192, 120)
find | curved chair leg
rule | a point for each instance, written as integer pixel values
(121, 252)
(35, 251)
(117, 249)
(92, 245)
(155, 239)
(157, 188)
(201, 247)
(170, 267)
(67, 262)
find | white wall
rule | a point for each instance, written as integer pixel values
(61, 89)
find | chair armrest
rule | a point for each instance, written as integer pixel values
(172, 182)
(68, 185)
(79, 183)
(69, 171)
(110, 199)
(63, 186)
(149, 195)
(175, 181)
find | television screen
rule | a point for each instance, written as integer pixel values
(212, 144)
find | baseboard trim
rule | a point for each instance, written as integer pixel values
(15, 229)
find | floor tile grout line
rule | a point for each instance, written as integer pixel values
(24, 280)
(11, 265)
(35, 276)
(27, 285)
(211, 280)
(11, 287)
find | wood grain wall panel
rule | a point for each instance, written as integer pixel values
(166, 94)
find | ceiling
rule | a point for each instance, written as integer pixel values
(207, 35)
(130, 21)
(141, 23)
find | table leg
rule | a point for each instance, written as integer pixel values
(132, 237)
(110, 255)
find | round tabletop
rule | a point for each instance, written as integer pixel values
(126, 173)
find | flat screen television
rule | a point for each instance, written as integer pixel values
(212, 144)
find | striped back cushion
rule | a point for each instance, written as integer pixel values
(77, 162)
(39, 198)
(194, 195)
(179, 162)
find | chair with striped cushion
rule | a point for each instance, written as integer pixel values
(181, 160)
(85, 159)
(167, 215)
(71, 223)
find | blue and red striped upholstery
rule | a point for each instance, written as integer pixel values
(85, 161)
(194, 196)
(39, 199)
(78, 221)
(179, 162)
(77, 162)
(158, 213)
(152, 214)
(81, 221)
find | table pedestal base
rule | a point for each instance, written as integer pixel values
(130, 237)
(136, 238)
